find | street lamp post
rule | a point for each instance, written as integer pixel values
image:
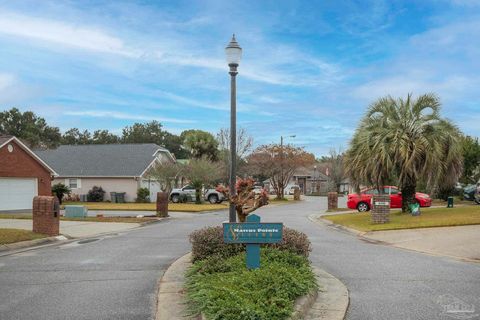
(314, 179)
(281, 159)
(234, 54)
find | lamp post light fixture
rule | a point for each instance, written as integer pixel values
(233, 54)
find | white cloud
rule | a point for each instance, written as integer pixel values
(87, 38)
(192, 102)
(124, 116)
(6, 80)
(284, 65)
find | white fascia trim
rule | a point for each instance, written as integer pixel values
(148, 167)
(103, 177)
(165, 151)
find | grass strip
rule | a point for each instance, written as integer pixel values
(430, 217)
(16, 235)
(172, 207)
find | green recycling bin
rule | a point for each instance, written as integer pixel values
(120, 197)
(450, 202)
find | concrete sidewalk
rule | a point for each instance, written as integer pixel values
(74, 229)
(461, 242)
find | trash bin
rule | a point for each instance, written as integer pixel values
(120, 197)
(113, 197)
(450, 202)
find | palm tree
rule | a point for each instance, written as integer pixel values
(404, 140)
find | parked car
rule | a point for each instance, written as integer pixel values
(210, 195)
(291, 190)
(257, 189)
(363, 201)
(469, 192)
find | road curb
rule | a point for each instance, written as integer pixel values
(332, 300)
(170, 297)
(329, 302)
(317, 218)
(30, 243)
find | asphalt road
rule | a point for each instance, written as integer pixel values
(116, 277)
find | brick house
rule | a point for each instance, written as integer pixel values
(23, 175)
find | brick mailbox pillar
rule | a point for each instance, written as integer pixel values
(46, 215)
(332, 200)
(381, 208)
(162, 204)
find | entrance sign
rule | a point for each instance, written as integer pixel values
(253, 233)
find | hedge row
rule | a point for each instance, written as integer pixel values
(208, 242)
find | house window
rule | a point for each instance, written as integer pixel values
(73, 183)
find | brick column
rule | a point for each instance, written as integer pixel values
(381, 208)
(162, 204)
(46, 215)
(332, 200)
(296, 194)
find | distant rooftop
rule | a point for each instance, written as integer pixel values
(101, 160)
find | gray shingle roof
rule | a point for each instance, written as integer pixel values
(102, 160)
(4, 139)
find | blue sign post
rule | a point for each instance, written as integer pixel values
(253, 233)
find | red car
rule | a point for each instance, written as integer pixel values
(362, 202)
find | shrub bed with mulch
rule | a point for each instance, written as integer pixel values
(219, 285)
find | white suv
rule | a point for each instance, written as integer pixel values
(210, 195)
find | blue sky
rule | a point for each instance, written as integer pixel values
(309, 68)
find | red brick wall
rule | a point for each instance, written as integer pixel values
(20, 164)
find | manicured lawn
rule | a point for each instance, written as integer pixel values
(339, 210)
(430, 217)
(185, 207)
(91, 219)
(112, 219)
(15, 235)
(456, 201)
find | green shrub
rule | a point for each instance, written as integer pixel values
(60, 190)
(95, 194)
(224, 289)
(208, 242)
(143, 195)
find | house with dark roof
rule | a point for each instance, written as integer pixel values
(121, 168)
(23, 175)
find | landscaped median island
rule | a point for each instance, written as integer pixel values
(16, 235)
(430, 217)
(219, 285)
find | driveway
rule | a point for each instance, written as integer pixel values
(116, 277)
(461, 242)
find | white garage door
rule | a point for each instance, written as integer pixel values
(17, 193)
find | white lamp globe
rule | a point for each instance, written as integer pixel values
(233, 52)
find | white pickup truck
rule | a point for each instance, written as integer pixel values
(210, 195)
